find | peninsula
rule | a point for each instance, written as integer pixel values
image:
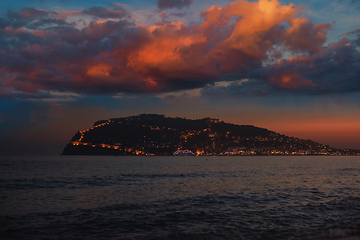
(152, 134)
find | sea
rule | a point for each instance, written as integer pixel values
(180, 197)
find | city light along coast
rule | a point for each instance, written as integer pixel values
(152, 134)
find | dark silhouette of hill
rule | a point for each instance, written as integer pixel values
(152, 134)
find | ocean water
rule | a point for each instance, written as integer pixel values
(238, 197)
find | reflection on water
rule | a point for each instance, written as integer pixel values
(180, 197)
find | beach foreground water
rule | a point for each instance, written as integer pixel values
(98, 197)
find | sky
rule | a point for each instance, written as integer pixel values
(292, 67)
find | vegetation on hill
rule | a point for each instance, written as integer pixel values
(151, 134)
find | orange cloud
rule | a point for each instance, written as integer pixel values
(95, 12)
(304, 36)
(287, 74)
(42, 33)
(99, 70)
(290, 80)
(64, 14)
(251, 22)
(175, 50)
(15, 31)
(119, 56)
(170, 53)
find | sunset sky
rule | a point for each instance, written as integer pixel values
(292, 67)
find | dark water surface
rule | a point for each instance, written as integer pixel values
(97, 197)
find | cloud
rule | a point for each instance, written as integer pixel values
(99, 12)
(163, 4)
(270, 44)
(165, 16)
(105, 13)
(238, 89)
(27, 13)
(356, 31)
(24, 17)
(334, 69)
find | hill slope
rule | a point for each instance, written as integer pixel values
(151, 134)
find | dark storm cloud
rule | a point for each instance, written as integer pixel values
(163, 4)
(47, 23)
(3, 23)
(45, 51)
(166, 16)
(27, 13)
(18, 19)
(239, 89)
(334, 69)
(43, 57)
(101, 12)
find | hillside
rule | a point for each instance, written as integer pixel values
(151, 134)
